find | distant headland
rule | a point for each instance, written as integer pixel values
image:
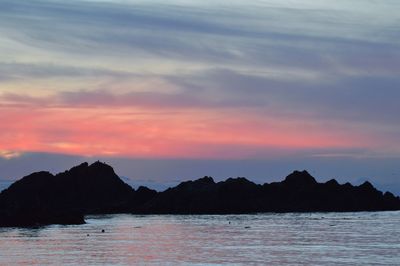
(42, 198)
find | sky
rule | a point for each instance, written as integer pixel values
(167, 91)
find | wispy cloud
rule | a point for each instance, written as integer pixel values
(303, 74)
(9, 154)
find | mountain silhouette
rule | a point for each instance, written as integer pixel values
(43, 198)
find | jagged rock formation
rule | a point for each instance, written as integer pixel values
(42, 198)
(299, 192)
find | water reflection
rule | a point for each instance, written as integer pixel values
(285, 239)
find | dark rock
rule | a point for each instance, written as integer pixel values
(42, 198)
(299, 192)
(188, 197)
(332, 183)
(34, 217)
(85, 188)
(299, 179)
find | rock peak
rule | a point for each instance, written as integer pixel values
(206, 179)
(332, 182)
(300, 178)
(367, 185)
(100, 166)
(81, 166)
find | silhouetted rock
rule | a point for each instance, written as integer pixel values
(187, 197)
(85, 188)
(332, 183)
(42, 198)
(299, 192)
(138, 199)
(31, 217)
(299, 179)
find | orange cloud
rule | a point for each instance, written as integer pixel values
(9, 154)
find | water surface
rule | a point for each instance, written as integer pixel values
(273, 239)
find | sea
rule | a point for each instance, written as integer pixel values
(362, 238)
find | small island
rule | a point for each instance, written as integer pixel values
(43, 198)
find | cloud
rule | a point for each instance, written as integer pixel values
(102, 98)
(9, 154)
(353, 99)
(266, 33)
(15, 71)
(200, 79)
(151, 131)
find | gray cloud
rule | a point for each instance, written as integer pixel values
(373, 99)
(103, 98)
(350, 99)
(245, 34)
(16, 71)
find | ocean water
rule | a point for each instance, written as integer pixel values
(262, 239)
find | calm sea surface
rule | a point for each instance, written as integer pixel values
(272, 239)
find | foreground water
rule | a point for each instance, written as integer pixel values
(272, 239)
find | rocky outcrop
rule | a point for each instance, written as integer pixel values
(42, 198)
(299, 192)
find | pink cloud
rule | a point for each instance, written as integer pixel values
(149, 133)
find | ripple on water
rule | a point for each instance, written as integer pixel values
(284, 239)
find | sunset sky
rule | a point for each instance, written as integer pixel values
(173, 90)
